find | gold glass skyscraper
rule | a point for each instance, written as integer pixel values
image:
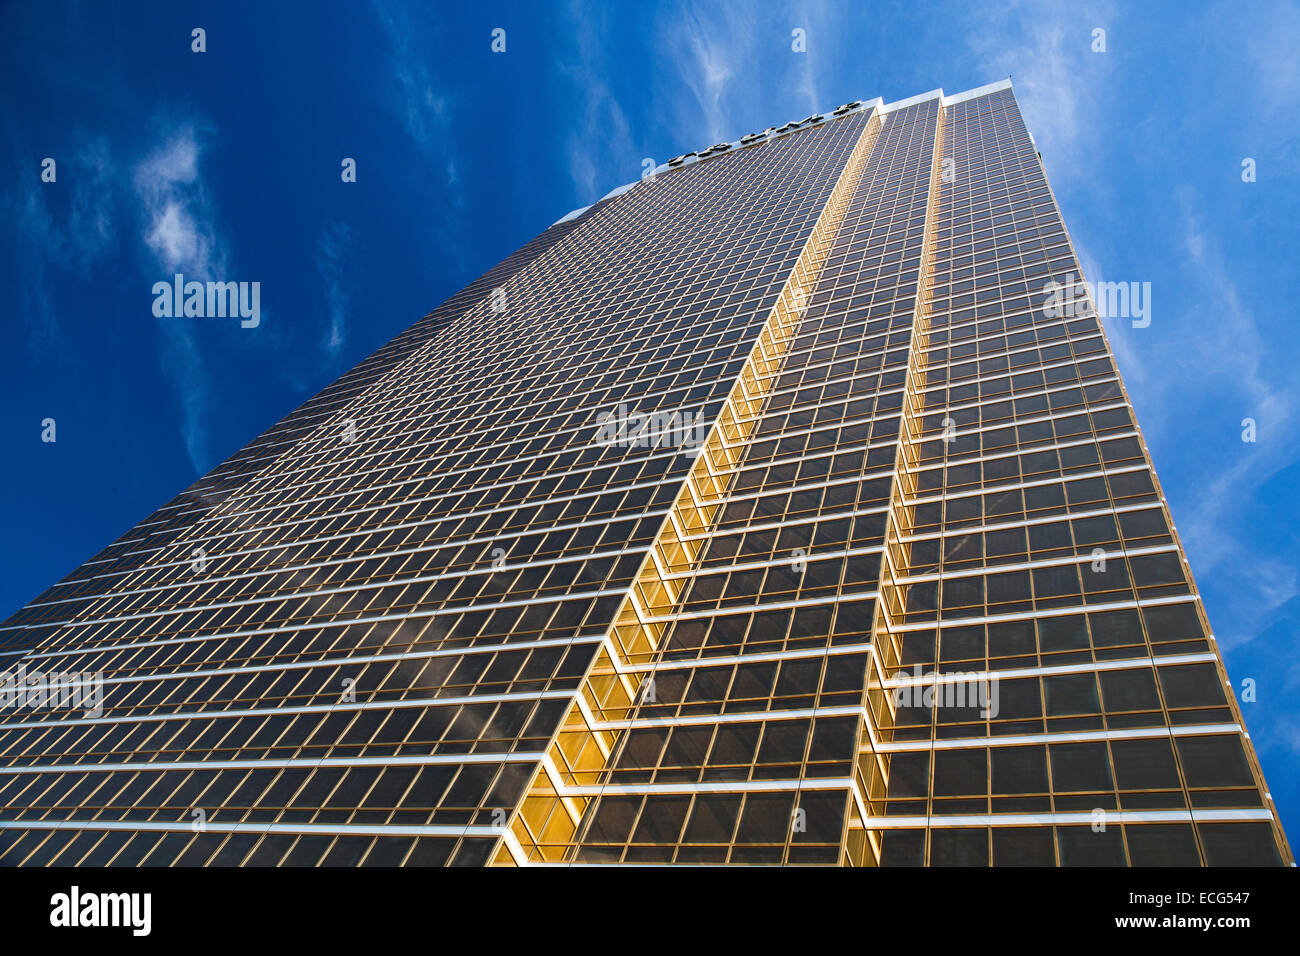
(766, 512)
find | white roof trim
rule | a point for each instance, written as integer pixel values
(618, 190)
(826, 116)
(573, 215)
(946, 100)
(978, 91)
(912, 100)
(877, 104)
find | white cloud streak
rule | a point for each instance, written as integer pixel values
(179, 231)
(1046, 48)
(707, 52)
(178, 219)
(69, 242)
(603, 137)
(333, 253)
(426, 108)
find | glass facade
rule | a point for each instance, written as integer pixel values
(759, 514)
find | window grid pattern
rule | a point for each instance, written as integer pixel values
(738, 757)
(430, 618)
(1038, 548)
(353, 642)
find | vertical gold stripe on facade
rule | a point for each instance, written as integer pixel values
(545, 826)
(862, 846)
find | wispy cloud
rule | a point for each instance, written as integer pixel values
(1206, 351)
(708, 51)
(1046, 48)
(67, 227)
(72, 226)
(426, 107)
(178, 230)
(333, 253)
(177, 216)
(1228, 354)
(740, 70)
(603, 138)
(810, 18)
(1272, 54)
(1218, 345)
(183, 363)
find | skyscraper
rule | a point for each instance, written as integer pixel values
(785, 507)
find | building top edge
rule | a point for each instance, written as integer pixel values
(912, 101)
(979, 91)
(772, 132)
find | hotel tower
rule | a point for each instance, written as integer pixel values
(782, 508)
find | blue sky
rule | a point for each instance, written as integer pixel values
(226, 164)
